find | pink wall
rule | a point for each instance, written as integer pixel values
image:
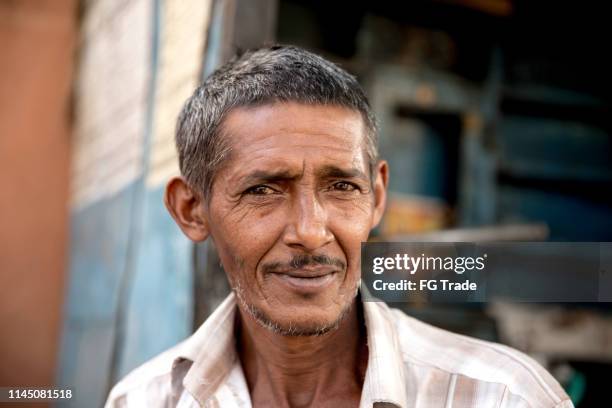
(37, 46)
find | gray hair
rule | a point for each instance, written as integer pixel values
(258, 77)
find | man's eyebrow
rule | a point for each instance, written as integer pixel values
(270, 176)
(339, 172)
(265, 176)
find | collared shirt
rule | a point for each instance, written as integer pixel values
(410, 364)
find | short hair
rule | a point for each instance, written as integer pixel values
(258, 77)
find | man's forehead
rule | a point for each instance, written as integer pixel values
(288, 135)
(295, 124)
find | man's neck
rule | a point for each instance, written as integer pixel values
(293, 371)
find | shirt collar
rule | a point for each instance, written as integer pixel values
(385, 380)
(209, 355)
(212, 350)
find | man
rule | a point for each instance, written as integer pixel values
(278, 155)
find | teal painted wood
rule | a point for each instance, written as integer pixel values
(159, 310)
(159, 304)
(98, 253)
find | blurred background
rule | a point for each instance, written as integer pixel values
(494, 116)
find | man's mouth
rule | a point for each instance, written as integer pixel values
(307, 279)
(309, 272)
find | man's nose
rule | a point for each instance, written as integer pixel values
(307, 227)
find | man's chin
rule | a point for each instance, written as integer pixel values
(312, 326)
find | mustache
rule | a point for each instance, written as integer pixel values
(299, 261)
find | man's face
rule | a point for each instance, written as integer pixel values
(289, 209)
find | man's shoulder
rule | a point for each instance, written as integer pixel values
(151, 378)
(159, 381)
(476, 362)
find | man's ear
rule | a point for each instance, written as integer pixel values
(381, 172)
(187, 209)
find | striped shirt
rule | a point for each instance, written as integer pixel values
(410, 364)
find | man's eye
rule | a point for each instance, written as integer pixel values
(259, 190)
(344, 186)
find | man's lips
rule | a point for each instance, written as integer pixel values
(308, 272)
(308, 279)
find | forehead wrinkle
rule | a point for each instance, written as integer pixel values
(240, 125)
(292, 140)
(262, 149)
(272, 157)
(256, 126)
(286, 166)
(335, 132)
(264, 167)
